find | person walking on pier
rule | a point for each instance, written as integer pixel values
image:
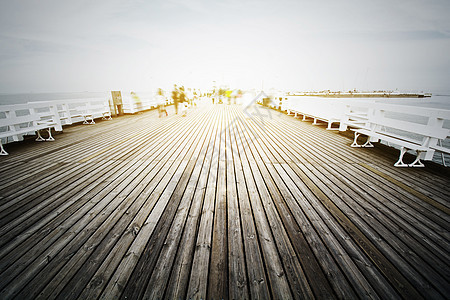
(183, 101)
(161, 103)
(175, 95)
(137, 101)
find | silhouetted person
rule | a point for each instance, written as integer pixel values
(161, 103)
(221, 95)
(175, 98)
(138, 102)
(183, 101)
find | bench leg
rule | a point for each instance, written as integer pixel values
(50, 137)
(355, 141)
(87, 118)
(400, 162)
(417, 163)
(89, 123)
(39, 137)
(106, 116)
(2, 150)
(367, 144)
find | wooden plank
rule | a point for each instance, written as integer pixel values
(15, 196)
(218, 268)
(237, 269)
(279, 285)
(198, 281)
(388, 248)
(179, 279)
(256, 273)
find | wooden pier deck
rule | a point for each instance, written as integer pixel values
(226, 203)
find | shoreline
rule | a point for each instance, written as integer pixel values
(366, 95)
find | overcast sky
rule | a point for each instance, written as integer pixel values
(70, 46)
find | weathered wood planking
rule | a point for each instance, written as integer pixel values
(227, 202)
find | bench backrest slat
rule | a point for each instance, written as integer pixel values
(12, 117)
(420, 129)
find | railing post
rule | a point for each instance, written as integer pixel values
(66, 112)
(10, 115)
(56, 117)
(377, 113)
(344, 118)
(436, 124)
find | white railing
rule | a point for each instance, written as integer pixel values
(80, 110)
(319, 109)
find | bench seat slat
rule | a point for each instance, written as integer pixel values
(421, 129)
(441, 149)
(403, 143)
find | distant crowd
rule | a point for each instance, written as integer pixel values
(183, 98)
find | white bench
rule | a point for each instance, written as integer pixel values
(329, 111)
(75, 111)
(24, 119)
(94, 110)
(356, 114)
(421, 133)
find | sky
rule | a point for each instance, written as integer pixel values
(291, 45)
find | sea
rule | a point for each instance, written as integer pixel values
(437, 101)
(20, 98)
